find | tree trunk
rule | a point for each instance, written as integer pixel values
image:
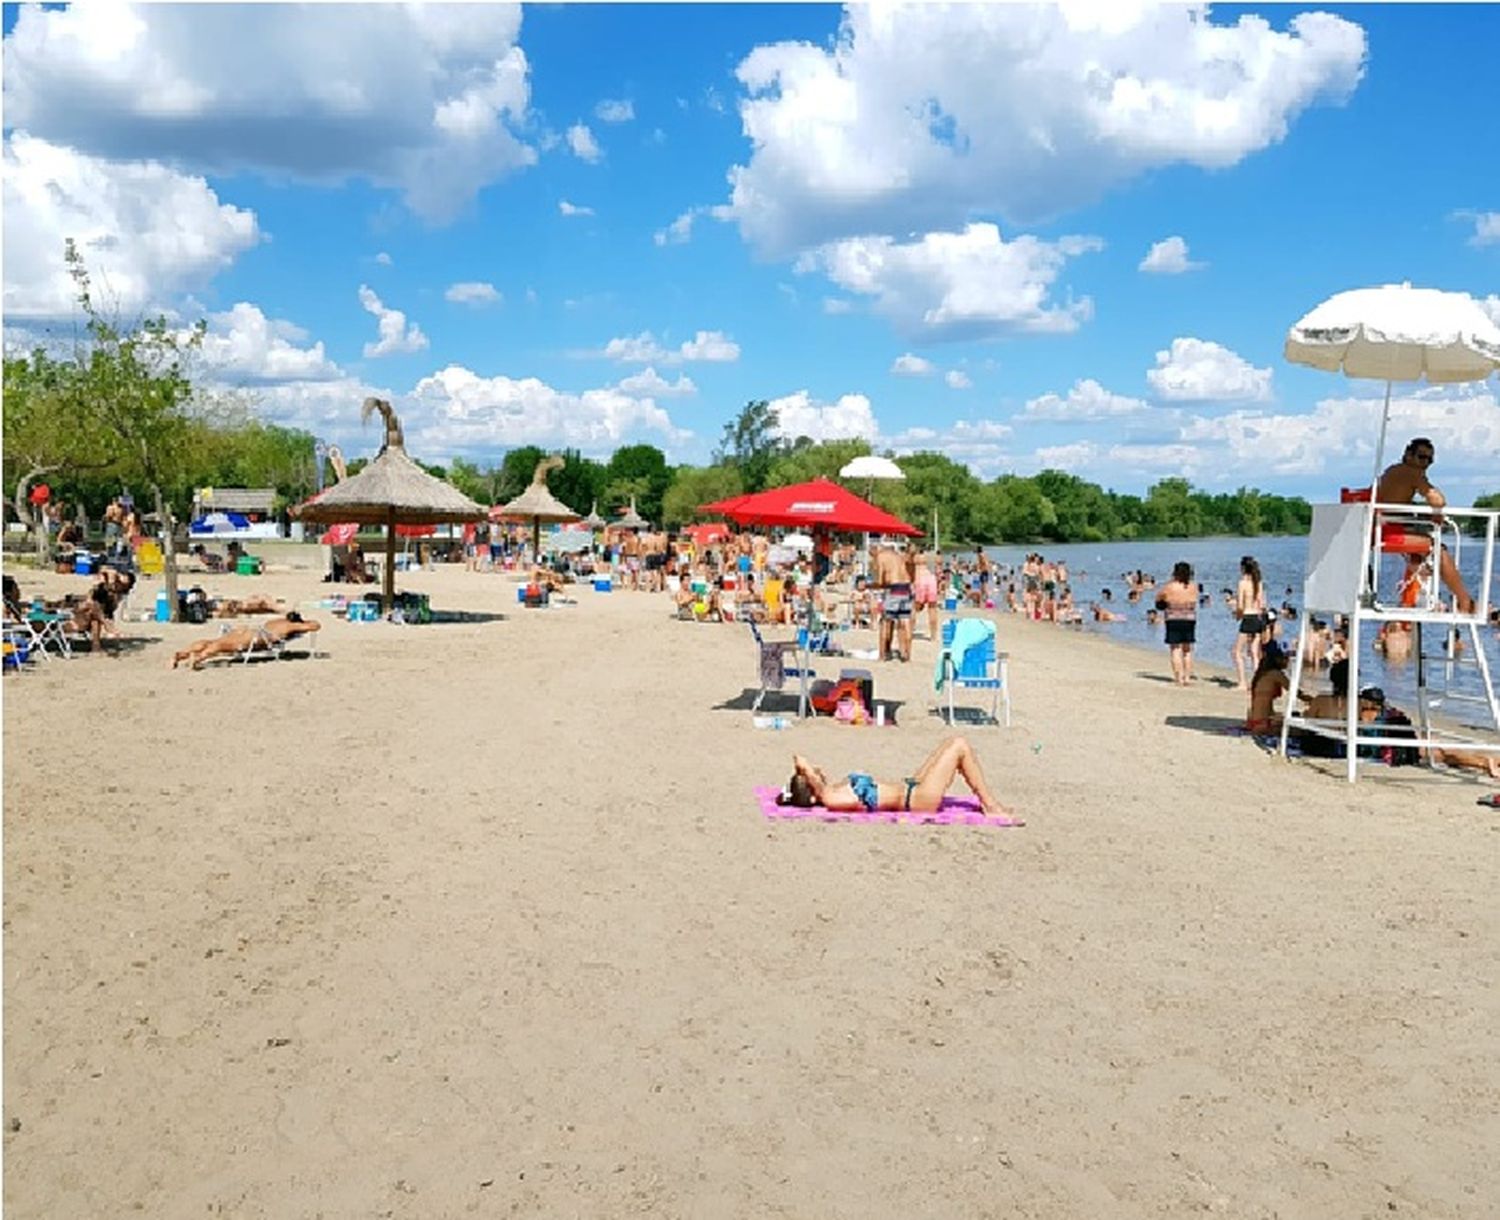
(37, 522)
(168, 550)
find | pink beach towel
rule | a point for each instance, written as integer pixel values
(961, 810)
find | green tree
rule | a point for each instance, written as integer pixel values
(1170, 510)
(934, 483)
(695, 485)
(137, 396)
(579, 483)
(751, 441)
(516, 469)
(640, 471)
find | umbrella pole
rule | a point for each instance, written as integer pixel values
(390, 561)
(1368, 577)
(536, 541)
(1385, 419)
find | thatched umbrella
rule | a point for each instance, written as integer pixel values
(633, 520)
(392, 490)
(537, 504)
(594, 521)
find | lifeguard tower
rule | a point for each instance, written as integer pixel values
(1400, 333)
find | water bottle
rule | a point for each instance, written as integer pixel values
(771, 722)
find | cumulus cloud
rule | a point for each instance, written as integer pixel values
(919, 116)
(1169, 257)
(711, 346)
(837, 305)
(1087, 400)
(851, 417)
(426, 99)
(648, 383)
(1486, 229)
(1196, 370)
(145, 231)
(573, 209)
(978, 444)
(383, 259)
(243, 346)
(909, 365)
(472, 292)
(582, 144)
(395, 336)
(957, 379)
(965, 285)
(619, 110)
(455, 410)
(1491, 306)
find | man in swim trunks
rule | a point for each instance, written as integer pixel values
(1401, 484)
(921, 792)
(894, 583)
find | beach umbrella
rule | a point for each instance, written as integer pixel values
(869, 467)
(392, 490)
(819, 504)
(706, 534)
(594, 521)
(1397, 333)
(798, 542)
(537, 504)
(632, 520)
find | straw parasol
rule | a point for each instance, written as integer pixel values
(594, 521)
(537, 504)
(392, 490)
(632, 520)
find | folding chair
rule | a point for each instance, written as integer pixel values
(50, 630)
(979, 668)
(772, 667)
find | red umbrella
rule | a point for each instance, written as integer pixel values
(707, 533)
(819, 504)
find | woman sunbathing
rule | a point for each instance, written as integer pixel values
(231, 607)
(247, 639)
(921, 792)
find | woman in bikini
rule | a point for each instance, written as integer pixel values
(921, 792)
(1250, 609)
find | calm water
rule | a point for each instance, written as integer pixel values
(1216, 563)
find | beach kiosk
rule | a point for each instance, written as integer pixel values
(1399, 333)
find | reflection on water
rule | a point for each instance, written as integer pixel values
(1093, 567)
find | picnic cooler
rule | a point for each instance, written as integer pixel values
(603, 584)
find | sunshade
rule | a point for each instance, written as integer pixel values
(707, 533)
(871, 466)
(392, 490)
(219, 523)
(632, 520)
(798, 542)
(819, 504)
(536, 504)
(594, 521)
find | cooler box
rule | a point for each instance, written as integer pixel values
(83, 563)
(362, 612)
(950, 603)
(163, 607)
(248, 565)
(603, 584)
(521, 594)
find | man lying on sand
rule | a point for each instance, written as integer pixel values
(921, 792)
(247, 639)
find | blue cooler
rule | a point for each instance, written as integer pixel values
(603, 584)
(521, 594)
(83, 563)
(163, 607)
(950, 603)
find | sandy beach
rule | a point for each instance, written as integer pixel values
(482, 918)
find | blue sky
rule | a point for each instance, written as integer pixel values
(593, 225)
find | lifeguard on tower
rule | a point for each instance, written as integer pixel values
(1400, 333)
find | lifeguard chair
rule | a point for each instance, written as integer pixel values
(1398, 333)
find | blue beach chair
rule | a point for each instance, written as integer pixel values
(979, 668)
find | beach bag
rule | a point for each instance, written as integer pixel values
(826, 696)
(194, 606)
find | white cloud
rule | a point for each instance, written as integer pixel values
(919, 116)
(582, 143)
(1169, 257)
(837, 305)
(965, 285)
(1486, 226)
(471, 292)
(427, 99)
(978, 444)
(383, 259)
(848, 418)
(1087, 400)
(909, 365)
(620, 110)
(455, 410)
(957, 379)
(145, 231)
(242, 345)
(1491, 306)
(573, 209)
(395, 336)
(712, 346)
(1196, 370)
(651, 384)
(679, 231)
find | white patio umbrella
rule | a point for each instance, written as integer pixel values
(869, 467)
(1397, 333)
(798, 542)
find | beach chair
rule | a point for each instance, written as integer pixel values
(50, 630)
(771, 667)
(979, 668)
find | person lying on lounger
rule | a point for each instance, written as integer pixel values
(247, 639)
(233, 607)
(921, 792)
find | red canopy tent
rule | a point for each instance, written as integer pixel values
(820, 504)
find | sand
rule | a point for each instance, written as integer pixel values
(482, 918)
